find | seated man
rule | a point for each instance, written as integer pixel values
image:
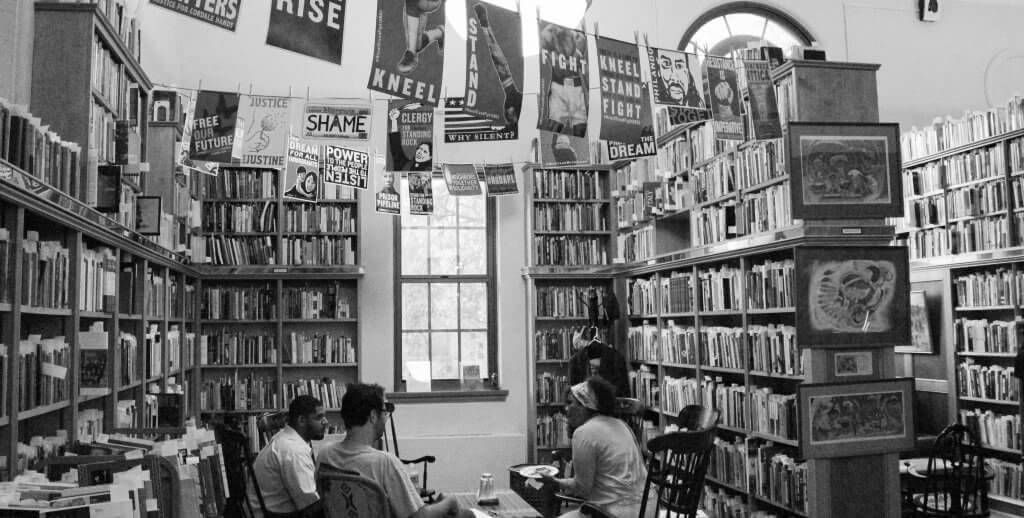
(365, 413)
(285, 468)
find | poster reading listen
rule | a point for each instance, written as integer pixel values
(344, 166)
(408, 54)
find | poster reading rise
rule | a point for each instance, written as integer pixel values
(265, 122)
(344, 166)
(626, 121)
(494, 63)
(302, 176)
(314, 28)
(408, 53)
(762, 108)
(500, 179)
(564, 81)
(388, 199)
(213, 126)
(223, 13)
(421, 193)
(410, 136)
(677, 81)
(723, 93)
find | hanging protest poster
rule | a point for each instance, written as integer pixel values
(223, 13)
(500, 179)
(460, 126)
(723, 96)
(314, 28)
(265, 122)
(626, 121)
(408, 54)
(563, 149)
(494, 63)
(462, 180)
(388, 199)
(676, 80)
(302, 176)
(344, 166)
(213, 126)
(410, 136)
(336, 121)
(762, 108)
(421, 192)
(564, 81)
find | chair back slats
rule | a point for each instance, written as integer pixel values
(677, 467)
(346, 494)
(955, 483)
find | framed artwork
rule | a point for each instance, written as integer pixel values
(108, 188)
(842, 171)
(929, 10)
(849, 364)
(147, 215)
(852, 296)
(920, 327)
(861, 418)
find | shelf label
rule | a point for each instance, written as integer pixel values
(618, 260)
(651, 262)
(852, 231)
(280, 270)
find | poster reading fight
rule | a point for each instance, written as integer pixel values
(223, 14)
(626, 121)
(723, 94)
(410, 136)
(344, 166)
(408, 54)
(677, 82)
(462, 180)
(388, 199)
(336, 121)
(500, 179)
(313, 28)
(763, 109)
(264, 120)
(421, 193)
(461, 126)
(564, 84)
(494, 63)
(302, 176)
(213, 126)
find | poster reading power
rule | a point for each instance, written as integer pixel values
(344, 166)
(626, 121)
(213, 126)
(311, 27)
(408, 54)
(494, 63)
(564, 81)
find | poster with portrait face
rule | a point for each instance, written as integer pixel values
(421, 192)
(388, 199)
(677, 80)
(265, 123)
(494, 63)
(302, 176)
(410, 136)
(723, 96)
(408, 54)
(564, 80)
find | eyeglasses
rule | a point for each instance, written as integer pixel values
(389, 408)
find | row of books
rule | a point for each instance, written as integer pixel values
(237, 348)
(129, 354)
(98, 279)
(714, 223)
(722, 347)
(976, 200)
(730, 400)
(770, 284)
(643, 384)
(719, 503)
(570, 217)
(182, 297)
(239, 217)
(774, 350)
(1007, 480)
(6, 281)
(714, 180)
(642, 342)
(765, 210)
(234, 251)
(729, 462)
(987, 288)
(245, 302)
(579, 184)
(780, 478)
(314, 348)
(43, 365)
(328, 300)
(319, 250)
(720, 289)
(759, 162)
(570, 250)
(28, 144)
(678, 344)
(926, 211)
(248, 392)
(679, 393)
(773, 413)
(947, 133)
(555, 343)
(241, 183)
(327, 390)
(155, 294)
(984, 336)
(993, 429)
(931, 242)
(154, 351)
(642, 296)
(45, 270)
(178, 342)
(924, 180)
(677, 292)
(973, 166)
(992, 382)
(551, 388)
(553, 431)
(568, 301)
(303, 217)
(637, 244)
(128, 414)
(93, 347)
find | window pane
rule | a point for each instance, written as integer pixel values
(473, 251)
(444, 357)
(414, 252)
(473, 306)
(414, 307)
(474, 351)
(745, 23)
(444, 305)
(471, 211)
(780, 36)
(444, 209)
(415, 348)
(443, 254)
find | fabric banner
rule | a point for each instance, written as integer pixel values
(408, 54)
(462, 180)
(388, 199)
(421, 192)
(460, 126)
(410, 136)
(314, 28)
(677, 81)
(265, 120)
(626, 121)
(500, 179)
(762, 108)
(344, 166)
(564, 81)
(722, 89)
(302, 177)
(562, 149)
(336, 121)
(213, 126)
(494, 63)
(223, 14)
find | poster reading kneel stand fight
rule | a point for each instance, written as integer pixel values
(408, 54)
(626, 121)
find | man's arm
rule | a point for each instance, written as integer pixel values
(447, 507)
(298, 477)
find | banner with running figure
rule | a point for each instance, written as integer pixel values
(408, 55)
(626, 121)
(564, 80)
(494, 63)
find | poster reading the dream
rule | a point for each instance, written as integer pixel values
(344, 166)
(302, 176)
(462, 180)
(314, 28)
(461, 126)
(494, 63)
(265, 123)
(408, 53)
(388, 199)
(336, 121)
(626, 121)
(410, 136)
(213, 126)
(223, 13)
(500, 179)
(722, 89)
(564, 81)
(563, 149)
(421, 193)
(763, 110)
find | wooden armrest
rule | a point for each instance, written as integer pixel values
(569, 498)
(430, 459)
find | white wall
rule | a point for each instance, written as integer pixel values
(17, 23)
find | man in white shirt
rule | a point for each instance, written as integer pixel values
(285, 467)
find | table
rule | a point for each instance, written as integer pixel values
(510, 505)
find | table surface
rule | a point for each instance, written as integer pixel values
(510, 505)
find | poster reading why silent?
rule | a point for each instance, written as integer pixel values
(388, 199)
(408, 54)
(302, 176)
(311, 27)
(265, 123)
(213, 126)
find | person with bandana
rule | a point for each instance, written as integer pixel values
(609, 468)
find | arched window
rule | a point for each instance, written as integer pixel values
(729, 27)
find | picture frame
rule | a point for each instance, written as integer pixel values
(844, 170)
(929, 10)
(852, 297)
(858, 418)
(148, 210)
(920, 326)
(853, 364)
(108, 188)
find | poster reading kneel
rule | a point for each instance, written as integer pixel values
(626, 121)
(408, 54)
(302, 176)
(344, 166)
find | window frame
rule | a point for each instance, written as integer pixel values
(745, 7)
(449, 389)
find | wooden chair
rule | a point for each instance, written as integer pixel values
(390, 443)
(346, 494)
(695, 417)
(631, 411)
(956, 482)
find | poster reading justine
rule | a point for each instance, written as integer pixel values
(311, 27)
(213, 126)
(302, 177)
(408, 53)
(265, 121)
(564, 82)
(494, 63)
(344, 166)
(223, 13)
(626, 121)
(722, 89)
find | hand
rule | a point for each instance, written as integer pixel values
(449, 504)
(393, 114)
(548, 479)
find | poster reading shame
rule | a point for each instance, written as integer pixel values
(265, 121)
(723, 93)
(763, 109)
(408, 53)
(410, 136)
(626, 121)
(222, 13)
(213, 126)
(500, 179)
(564, 82)
(494, 63)
(336, 121)
(344, 166)
(302, 177)
(310, 27)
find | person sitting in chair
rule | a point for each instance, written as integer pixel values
(365, 413)
(285, 469)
